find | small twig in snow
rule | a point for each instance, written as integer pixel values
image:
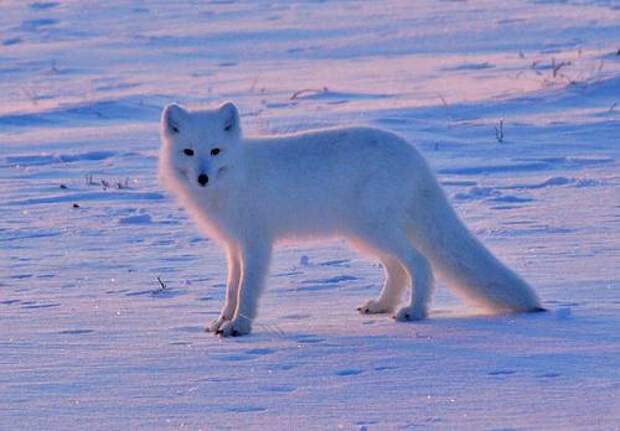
(122, 184)
(443, 100)
(499, 131)
(308, 90)
(90, 180)
(162, 286)
(31, 94)
(254, 82)
(557, 66)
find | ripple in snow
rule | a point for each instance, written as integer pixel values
(136, 219)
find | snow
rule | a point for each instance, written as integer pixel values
(89, 337)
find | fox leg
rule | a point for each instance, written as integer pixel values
(232, 289)
(255, 257)
(421, 275)
(396, 279)
(395, 245)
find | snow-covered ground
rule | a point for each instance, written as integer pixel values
(89, 339)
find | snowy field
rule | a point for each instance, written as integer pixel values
(516, 104)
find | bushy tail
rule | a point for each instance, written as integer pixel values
(469, 267)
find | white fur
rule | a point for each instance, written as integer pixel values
(365, 185)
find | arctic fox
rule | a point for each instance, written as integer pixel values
(368, 186)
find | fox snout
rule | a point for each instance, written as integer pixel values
(203, 179)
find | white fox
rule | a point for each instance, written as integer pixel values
(368, 186)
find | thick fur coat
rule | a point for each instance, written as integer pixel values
(368, 186)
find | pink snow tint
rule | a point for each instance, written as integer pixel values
(90, 338)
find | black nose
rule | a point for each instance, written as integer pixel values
(203, 179)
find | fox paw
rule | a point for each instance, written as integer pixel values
(234, 328)
(407, 314)
(374, 307)
(217, 324)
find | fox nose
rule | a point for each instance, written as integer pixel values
(203, 179)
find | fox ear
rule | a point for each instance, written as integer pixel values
(173, 117)
(231, 117)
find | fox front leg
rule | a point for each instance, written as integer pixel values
(232, 290)
(255, 257)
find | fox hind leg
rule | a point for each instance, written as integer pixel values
(396, 279)
(416, 266)
(421, 276)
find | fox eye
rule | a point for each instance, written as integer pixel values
(188, 152)
(215, 151)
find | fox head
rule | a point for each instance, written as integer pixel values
(198, 146)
